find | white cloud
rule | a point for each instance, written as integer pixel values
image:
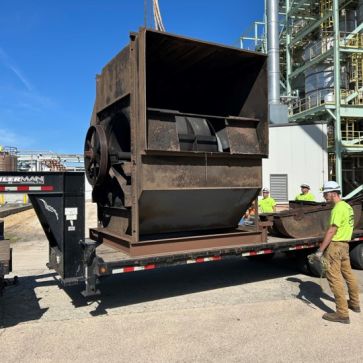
(5, 59)
(21, 77)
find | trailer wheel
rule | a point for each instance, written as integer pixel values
(356, 256)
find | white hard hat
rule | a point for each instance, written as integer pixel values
(265, 190)
(305, 186)
(331, 186)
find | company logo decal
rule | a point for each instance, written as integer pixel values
(22, 180)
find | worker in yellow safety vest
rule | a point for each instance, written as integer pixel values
(1, 148)
(267, 204)
(335, 251)
(305, 194)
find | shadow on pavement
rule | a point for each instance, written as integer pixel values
(138, 287)
(20, 303)
(311, 293)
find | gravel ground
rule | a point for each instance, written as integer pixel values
(232, 310)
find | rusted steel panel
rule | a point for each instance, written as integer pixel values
(242, 137)
(183, 172)
(114, 81)
(162, 134)
(186, 129)
(192, 210)
(306, 220)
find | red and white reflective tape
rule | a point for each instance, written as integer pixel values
(300, 247)
(256, 253)
(204, 259)
(132, 269)
(27, 188)
(358, 239)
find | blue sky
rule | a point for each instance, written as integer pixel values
(50, 52)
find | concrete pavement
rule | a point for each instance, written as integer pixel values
(234, 310)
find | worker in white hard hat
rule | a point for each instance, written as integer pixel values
(267, 204)
(305, 194)
(335, 248)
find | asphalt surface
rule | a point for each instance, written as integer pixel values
(236, 310)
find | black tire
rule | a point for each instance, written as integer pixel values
(356, 256)
(302, 263)
(307, 268)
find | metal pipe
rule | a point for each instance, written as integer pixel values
(273, 52)
(288, 54)
(337, 128)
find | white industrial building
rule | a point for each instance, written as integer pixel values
(297, 154)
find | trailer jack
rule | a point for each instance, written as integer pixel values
(90, 265)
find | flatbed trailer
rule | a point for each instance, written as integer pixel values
(58, 199)
(110, 260)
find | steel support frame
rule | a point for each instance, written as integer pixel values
(308, 29)
(172, 245)
(318, 59)
(336, 111)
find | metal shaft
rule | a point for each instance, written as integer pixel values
(273, 52)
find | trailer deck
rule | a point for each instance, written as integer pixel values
(111, 260)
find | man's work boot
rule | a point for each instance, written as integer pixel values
(354, 308)
(336, 318)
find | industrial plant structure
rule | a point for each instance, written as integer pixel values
(12, 159)
(321, 74)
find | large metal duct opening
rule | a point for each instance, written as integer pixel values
(178, 132)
